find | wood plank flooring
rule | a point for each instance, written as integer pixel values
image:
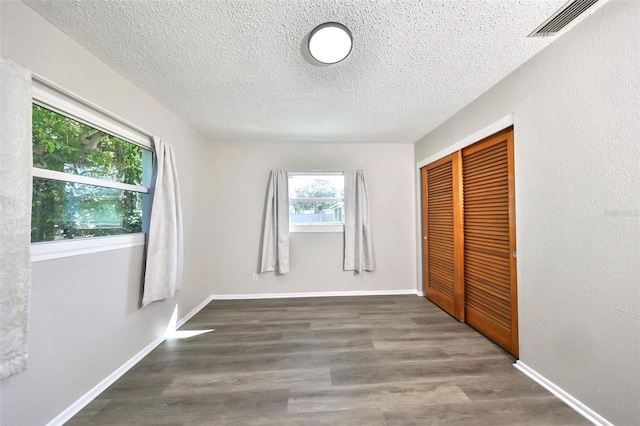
(384, 360)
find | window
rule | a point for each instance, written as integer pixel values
(87, 182)
(316, 202)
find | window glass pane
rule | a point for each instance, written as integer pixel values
(62, 210)
(316, 186)
(326, 199)
(66, 145)
(316, 213)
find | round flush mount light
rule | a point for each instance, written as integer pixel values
(330, 43)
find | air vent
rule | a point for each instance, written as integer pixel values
(562, 18)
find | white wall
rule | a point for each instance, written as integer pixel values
(241, 173)
(85, 321)
(577, 131)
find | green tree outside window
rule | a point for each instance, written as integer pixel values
(69, 210)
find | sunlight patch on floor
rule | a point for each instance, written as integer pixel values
(172, 333)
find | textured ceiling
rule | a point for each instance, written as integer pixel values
(238, 71)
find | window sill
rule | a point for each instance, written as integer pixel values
(316, 228)
(66, 248)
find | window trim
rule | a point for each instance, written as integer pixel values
(57, 99)
(316, 228)
(319, 227)
(53, 97)
(315, 200)
(69, 177)
(49, 250)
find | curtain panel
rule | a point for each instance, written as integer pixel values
(165, 246)
(15, 212)
(275, 235)
(358, 241)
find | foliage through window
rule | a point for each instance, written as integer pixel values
(87, 183)
(316, 199)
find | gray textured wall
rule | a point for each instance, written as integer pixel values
(242, 171)
(577, 132)
(85, 321)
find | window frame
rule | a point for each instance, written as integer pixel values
(316, 227)
(63, 102)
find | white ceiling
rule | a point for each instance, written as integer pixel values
(238, 70)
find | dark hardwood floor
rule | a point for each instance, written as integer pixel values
(384, 360)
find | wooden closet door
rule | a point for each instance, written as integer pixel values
(490, 290)
(442, 234)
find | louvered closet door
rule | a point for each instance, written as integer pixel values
(442, 239)
(489, 239)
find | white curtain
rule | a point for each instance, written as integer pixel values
(165, 251)
(15, 210)
(358, 242)
(275, 236)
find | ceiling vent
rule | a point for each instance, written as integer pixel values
(563, 17)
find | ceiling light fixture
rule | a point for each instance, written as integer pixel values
(330, 43)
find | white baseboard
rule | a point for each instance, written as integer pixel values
(568, 399)
(312, 294)
(74, 408)
(419, 293)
